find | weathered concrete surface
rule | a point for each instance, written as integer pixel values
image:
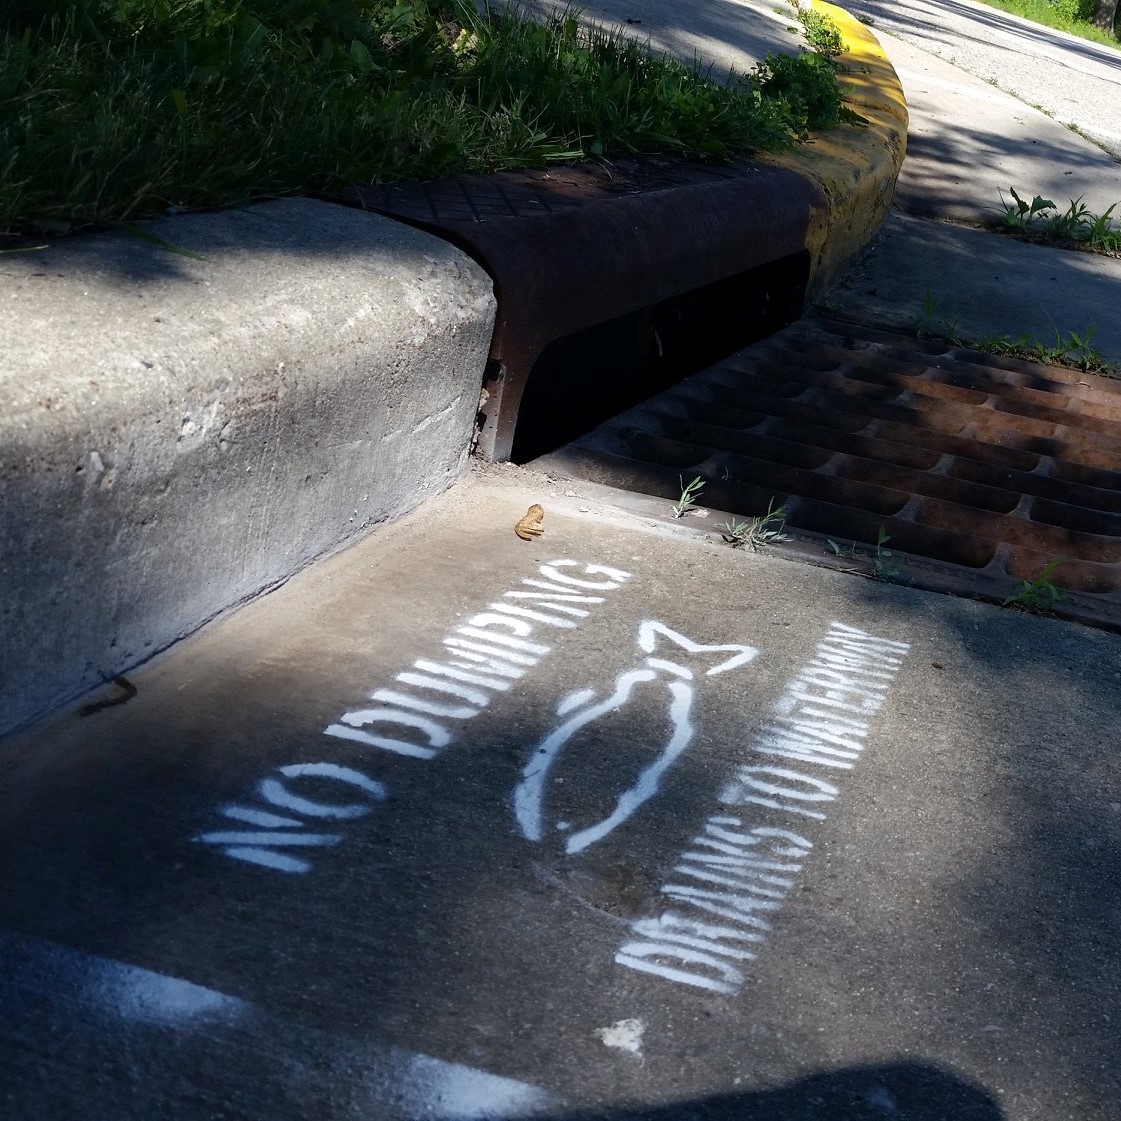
(970, 143)
(177, 434)
(904, 906)
(973, 284)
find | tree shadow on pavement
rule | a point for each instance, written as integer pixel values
(1023, 825)
(959, 168)
(906, 1091)
(993, 19)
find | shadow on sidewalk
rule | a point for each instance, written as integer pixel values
(900, 1091)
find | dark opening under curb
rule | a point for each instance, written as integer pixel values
(614, 281)
(584, 378)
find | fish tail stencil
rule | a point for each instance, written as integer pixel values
(674, 669)
(649, 634)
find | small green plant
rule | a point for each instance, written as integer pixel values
(885, 564)
(1073, 348)
(822, 34)
(929, 324)
(1020, 213)
(1039, 595)
(1042, 220)
(1078, 348)
(1068, 225)
(808, 84)
(1100, 231)
(840, 550)
(688, 500)
(766, 530)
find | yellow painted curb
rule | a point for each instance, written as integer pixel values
(855, 165)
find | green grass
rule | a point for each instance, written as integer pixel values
(1072, 16)
(120, 109)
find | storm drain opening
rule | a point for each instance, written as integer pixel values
(980, 471)
(586, 377)
(627, 274)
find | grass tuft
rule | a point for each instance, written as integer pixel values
(765, 530)
(118, 109)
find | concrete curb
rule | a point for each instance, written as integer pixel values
(180, 434)
(855, 165)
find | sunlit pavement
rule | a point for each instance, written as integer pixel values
(619, 822)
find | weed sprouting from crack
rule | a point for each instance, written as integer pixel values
(1041, 220)
(929, 324)
(885, 564)
(765, 530)
(1070, 348)
(1074, 348)
(1040, 595)
(688, 500)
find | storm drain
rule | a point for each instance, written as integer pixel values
(605, 277)
(980, 470)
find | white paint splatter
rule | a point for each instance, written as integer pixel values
(389, 1083)
(624, 1035)
(438, 1089)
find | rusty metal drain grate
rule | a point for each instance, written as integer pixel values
(579, 248)
(981, 470)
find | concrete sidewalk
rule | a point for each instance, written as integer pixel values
(620, 823)
(970, 144)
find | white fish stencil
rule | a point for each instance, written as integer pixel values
(672, 680)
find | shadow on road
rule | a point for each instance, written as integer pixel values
(902, 1091)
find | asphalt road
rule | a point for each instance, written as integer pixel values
(613, 825)
(1076, 82)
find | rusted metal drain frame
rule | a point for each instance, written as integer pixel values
(580, 246)
(980, 470)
